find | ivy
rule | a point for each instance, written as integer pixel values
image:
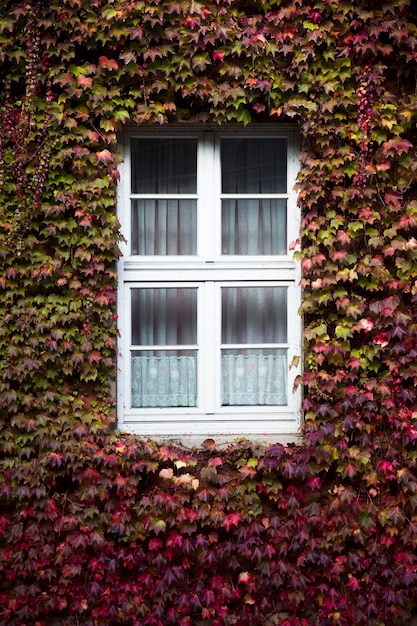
(99, 527)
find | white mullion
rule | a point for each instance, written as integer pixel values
(123, 354)
(123, 204)
(204, 369)
(165, 347)
(123, 200)
(127, 356)
(233, 271)
(254, 196)
(294, 344)
(252, 346)
(293, 211)
(163, 196)
(258, 282)
(217, 206)
(294, 327)
(216, 354)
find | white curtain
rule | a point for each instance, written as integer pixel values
(254, 379)
(254, 227)
(164, 165)
(164, 381)
(252, 167)
(254, 315)
(171, 381)
(163, 317)
(164, 226)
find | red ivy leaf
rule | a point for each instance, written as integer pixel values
(387, 469)
(218, 55)
(314, 482)
(215, 462)
(84, 81)
(94, 357)
(155, 544)
(396, 146)
(104, 156)
(109, 64)
(232, 519)
(54, 459)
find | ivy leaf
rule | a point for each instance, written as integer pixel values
(94, 357)
(233, 519)
(396, 146)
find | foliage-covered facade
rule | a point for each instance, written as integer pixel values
(97, 527)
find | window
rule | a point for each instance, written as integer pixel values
(209, 291)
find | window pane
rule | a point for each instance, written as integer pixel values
(254, 165)
(254, 227)
(254, 315)
(164, 165)
(163, 378)
(164, 317)
(164, 227)
(254, 377)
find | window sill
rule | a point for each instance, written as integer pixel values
(220, 441)
(191, 434)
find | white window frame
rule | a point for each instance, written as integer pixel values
(209, 270)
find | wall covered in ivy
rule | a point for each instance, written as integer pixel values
(97, 527)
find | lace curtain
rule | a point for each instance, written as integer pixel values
(164, 381)
(164, 317)
(254, 379)
(254, 315)
(171, 381)
(249, 375)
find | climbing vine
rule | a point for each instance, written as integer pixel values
(100, 527)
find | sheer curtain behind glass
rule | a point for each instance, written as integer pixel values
(164, 225)
(254, 225)
(163, 317)
(254, 375)
(253, 167)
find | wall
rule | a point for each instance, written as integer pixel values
(106, 528)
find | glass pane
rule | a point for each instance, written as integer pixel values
(254, 165)
(164, 316)
(254, 315)
(164, 165)
(254, 227)
(254, 377)
(164, 227)
(162, 378)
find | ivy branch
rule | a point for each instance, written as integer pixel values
(25, 138)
